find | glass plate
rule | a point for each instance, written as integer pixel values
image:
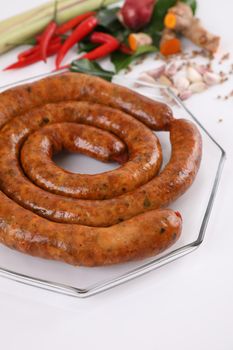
(195, 206)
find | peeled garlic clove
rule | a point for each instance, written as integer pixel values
(193, 75)
(146, 78)
(211, 78)
(197, 87)
(181, 83)
(184, 95)
(157, 72)
(165, 81)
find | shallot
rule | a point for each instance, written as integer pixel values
(136, 14)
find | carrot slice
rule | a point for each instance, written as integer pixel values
(170, 47)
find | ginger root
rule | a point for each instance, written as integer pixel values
(169, 44)
(180, 18)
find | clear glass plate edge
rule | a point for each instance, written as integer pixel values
(144, 268)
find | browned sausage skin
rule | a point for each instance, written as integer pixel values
(145, 235)
(143, 146)
(144, 153)
(173, 181)
(80, 87)
(73, 137)
(54, 228)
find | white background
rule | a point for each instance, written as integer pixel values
(187, 304)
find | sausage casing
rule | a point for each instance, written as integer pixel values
(102, 219)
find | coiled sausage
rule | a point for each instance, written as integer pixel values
(97, 219)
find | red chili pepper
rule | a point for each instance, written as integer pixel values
(83, 29)
(46, 38)
(48, 33)
(102, 51)
(34, 57)
(64, 28)
(110, 44)
(101, 38)
(125, 49)
(28, 52)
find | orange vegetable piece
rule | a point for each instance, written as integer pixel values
(170, 21)
(170, 47)
(132, 42)
(136, 40)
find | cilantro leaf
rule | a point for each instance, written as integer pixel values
(92, 68)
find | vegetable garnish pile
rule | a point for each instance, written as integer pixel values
(123, 34)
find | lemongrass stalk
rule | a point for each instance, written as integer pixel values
(35, 15)
(18, 19)
(46, 8)
(66, 9)
(34, 21)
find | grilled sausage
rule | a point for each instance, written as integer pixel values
(120, 209)
(80, 87)
(88, 140)
(144, 149)
(144, 235)
(159, 192)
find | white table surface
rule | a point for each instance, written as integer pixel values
(187, 304)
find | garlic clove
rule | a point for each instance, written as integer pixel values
(181, 83)
(193, 75)
(157, 72)
(211, 78)
(198, 87)
(184, 95)
(165, 81)
(202, 68)
(172, 69)
(144, 77)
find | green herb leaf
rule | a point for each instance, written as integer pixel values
(85, 46)
(107, 17)
(161, 8)
(156, 25)
(109, 22)
(192, 4)
(122, 61)
(92, 68)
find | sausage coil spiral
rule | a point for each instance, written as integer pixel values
(100, 219)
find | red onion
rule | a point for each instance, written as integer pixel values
(135, 14)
